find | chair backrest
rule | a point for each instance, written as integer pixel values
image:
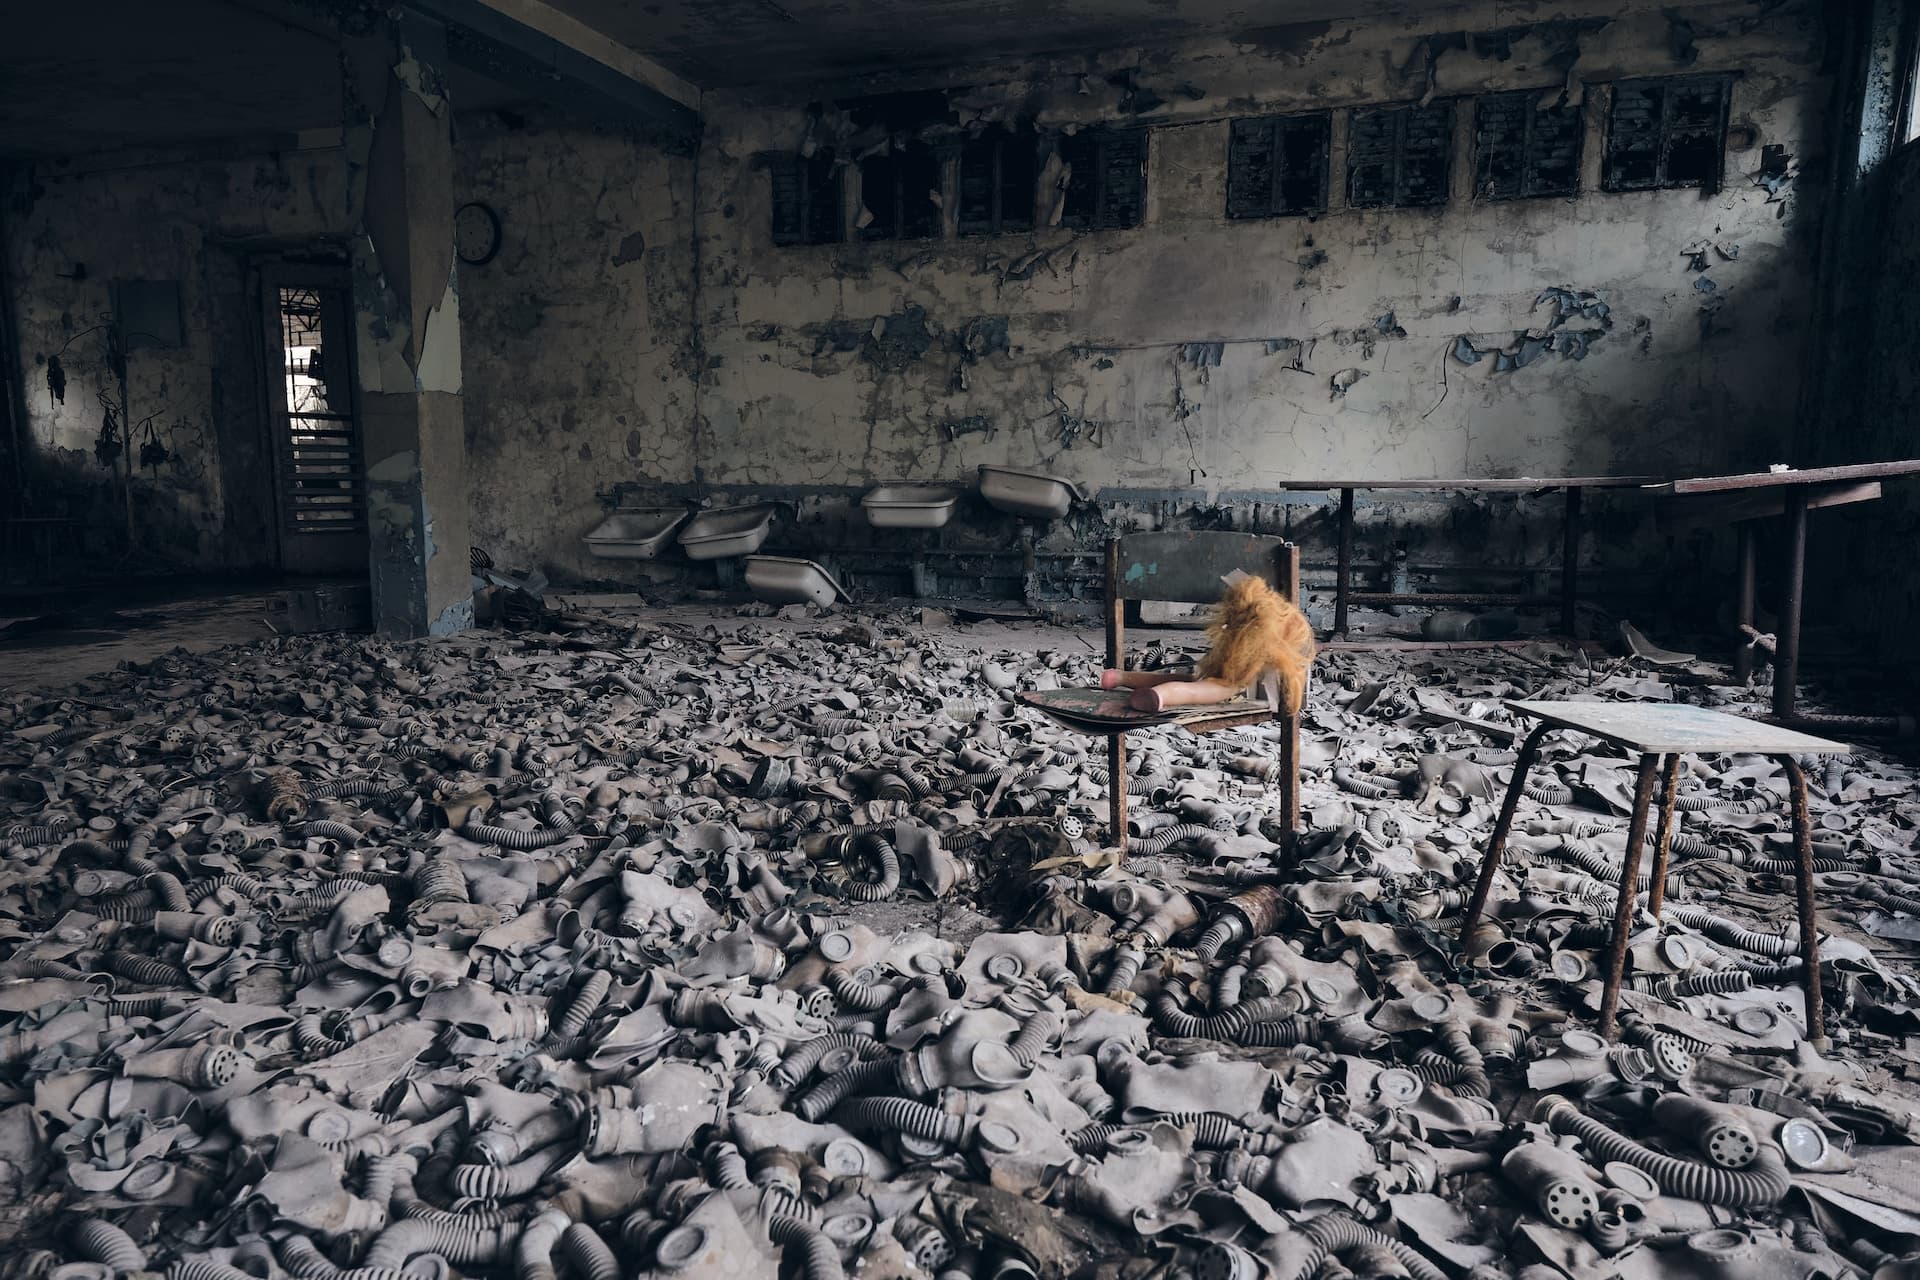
(1188, 567)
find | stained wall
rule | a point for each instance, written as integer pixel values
(1207, 361)
(579, 356)
(74, 228)
(639, 334)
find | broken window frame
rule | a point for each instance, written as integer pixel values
(1615, 151)
(893, 223)
(1101, 143)
(1010, 208)
(1907, 118)
(815, 178)
(1402, 114)
(1529, 187)
(1277, 130)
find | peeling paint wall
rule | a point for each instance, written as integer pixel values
(1217, 357)
(578, 338)
(1100, 379)
(74, 229)
(638, 329)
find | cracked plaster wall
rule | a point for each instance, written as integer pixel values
(1093, 384)
(633, 333)
(577, 337)
(158, 219)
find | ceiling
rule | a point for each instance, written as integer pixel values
(79, 76)
(733, 43)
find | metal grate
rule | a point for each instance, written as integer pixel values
(1277, 166)
(1522, 150)
(901, 189)
(1667, 133)
(998, 174)
(806, 199)
(1399, 156)
(1108, 186)
(322, 489)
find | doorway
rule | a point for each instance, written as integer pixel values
(319, 480)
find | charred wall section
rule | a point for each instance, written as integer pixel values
(1187, 367)
(649, 330)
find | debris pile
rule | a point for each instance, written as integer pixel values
(656, 951)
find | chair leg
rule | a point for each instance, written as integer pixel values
(1809, 917)
(1628, 896)
(1117, 791)
(1290, 778)
(1497, 846)
(1663, 841)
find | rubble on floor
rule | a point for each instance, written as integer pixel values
(557, 952)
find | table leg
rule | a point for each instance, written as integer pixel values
(1786, 649)
(1743, 601)
(1344, 583)
(1663, 840)
(1117, 792)
(1497, 846)
(1629, 884)
(1809, 918)
(1570, 564)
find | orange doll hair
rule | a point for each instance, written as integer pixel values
(1256, 630)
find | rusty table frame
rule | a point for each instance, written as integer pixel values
(1573, 486)
(1636, 728)
(1758, 495)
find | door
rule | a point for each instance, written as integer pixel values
(319, 478)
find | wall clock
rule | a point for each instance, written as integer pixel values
(476, 233)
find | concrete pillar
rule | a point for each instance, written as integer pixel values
(407, 321)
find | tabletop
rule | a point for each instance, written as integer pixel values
(1672, 727)
(1782, 479)
(1503, 484)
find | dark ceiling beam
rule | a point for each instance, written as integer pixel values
(531, 46)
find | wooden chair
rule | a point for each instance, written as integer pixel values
(1188, 568)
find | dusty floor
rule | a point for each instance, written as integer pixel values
(689, 943)
(43, 648)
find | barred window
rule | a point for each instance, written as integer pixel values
(806, 199)
(1108, 185)
(1667, 133)
(1399, 156)
(1522, 150)
(998, 173)
(1277, 166)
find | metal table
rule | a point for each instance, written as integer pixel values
(1759, 495)
(1345, 595)
(1655, 730)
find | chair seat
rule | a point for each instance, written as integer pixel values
(1105, 711)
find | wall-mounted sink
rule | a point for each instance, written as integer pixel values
(786, 580)
(634, 533)
(1028, 493)
(727, 531)
(908, 506)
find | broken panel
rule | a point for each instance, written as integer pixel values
(1667, 133)
(806, 199)
(1399, 156)
(901, 189)
(1277, 166)
(1108, 186)
(1521, 150)
(998, 172)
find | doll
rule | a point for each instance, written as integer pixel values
(1256, 635)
